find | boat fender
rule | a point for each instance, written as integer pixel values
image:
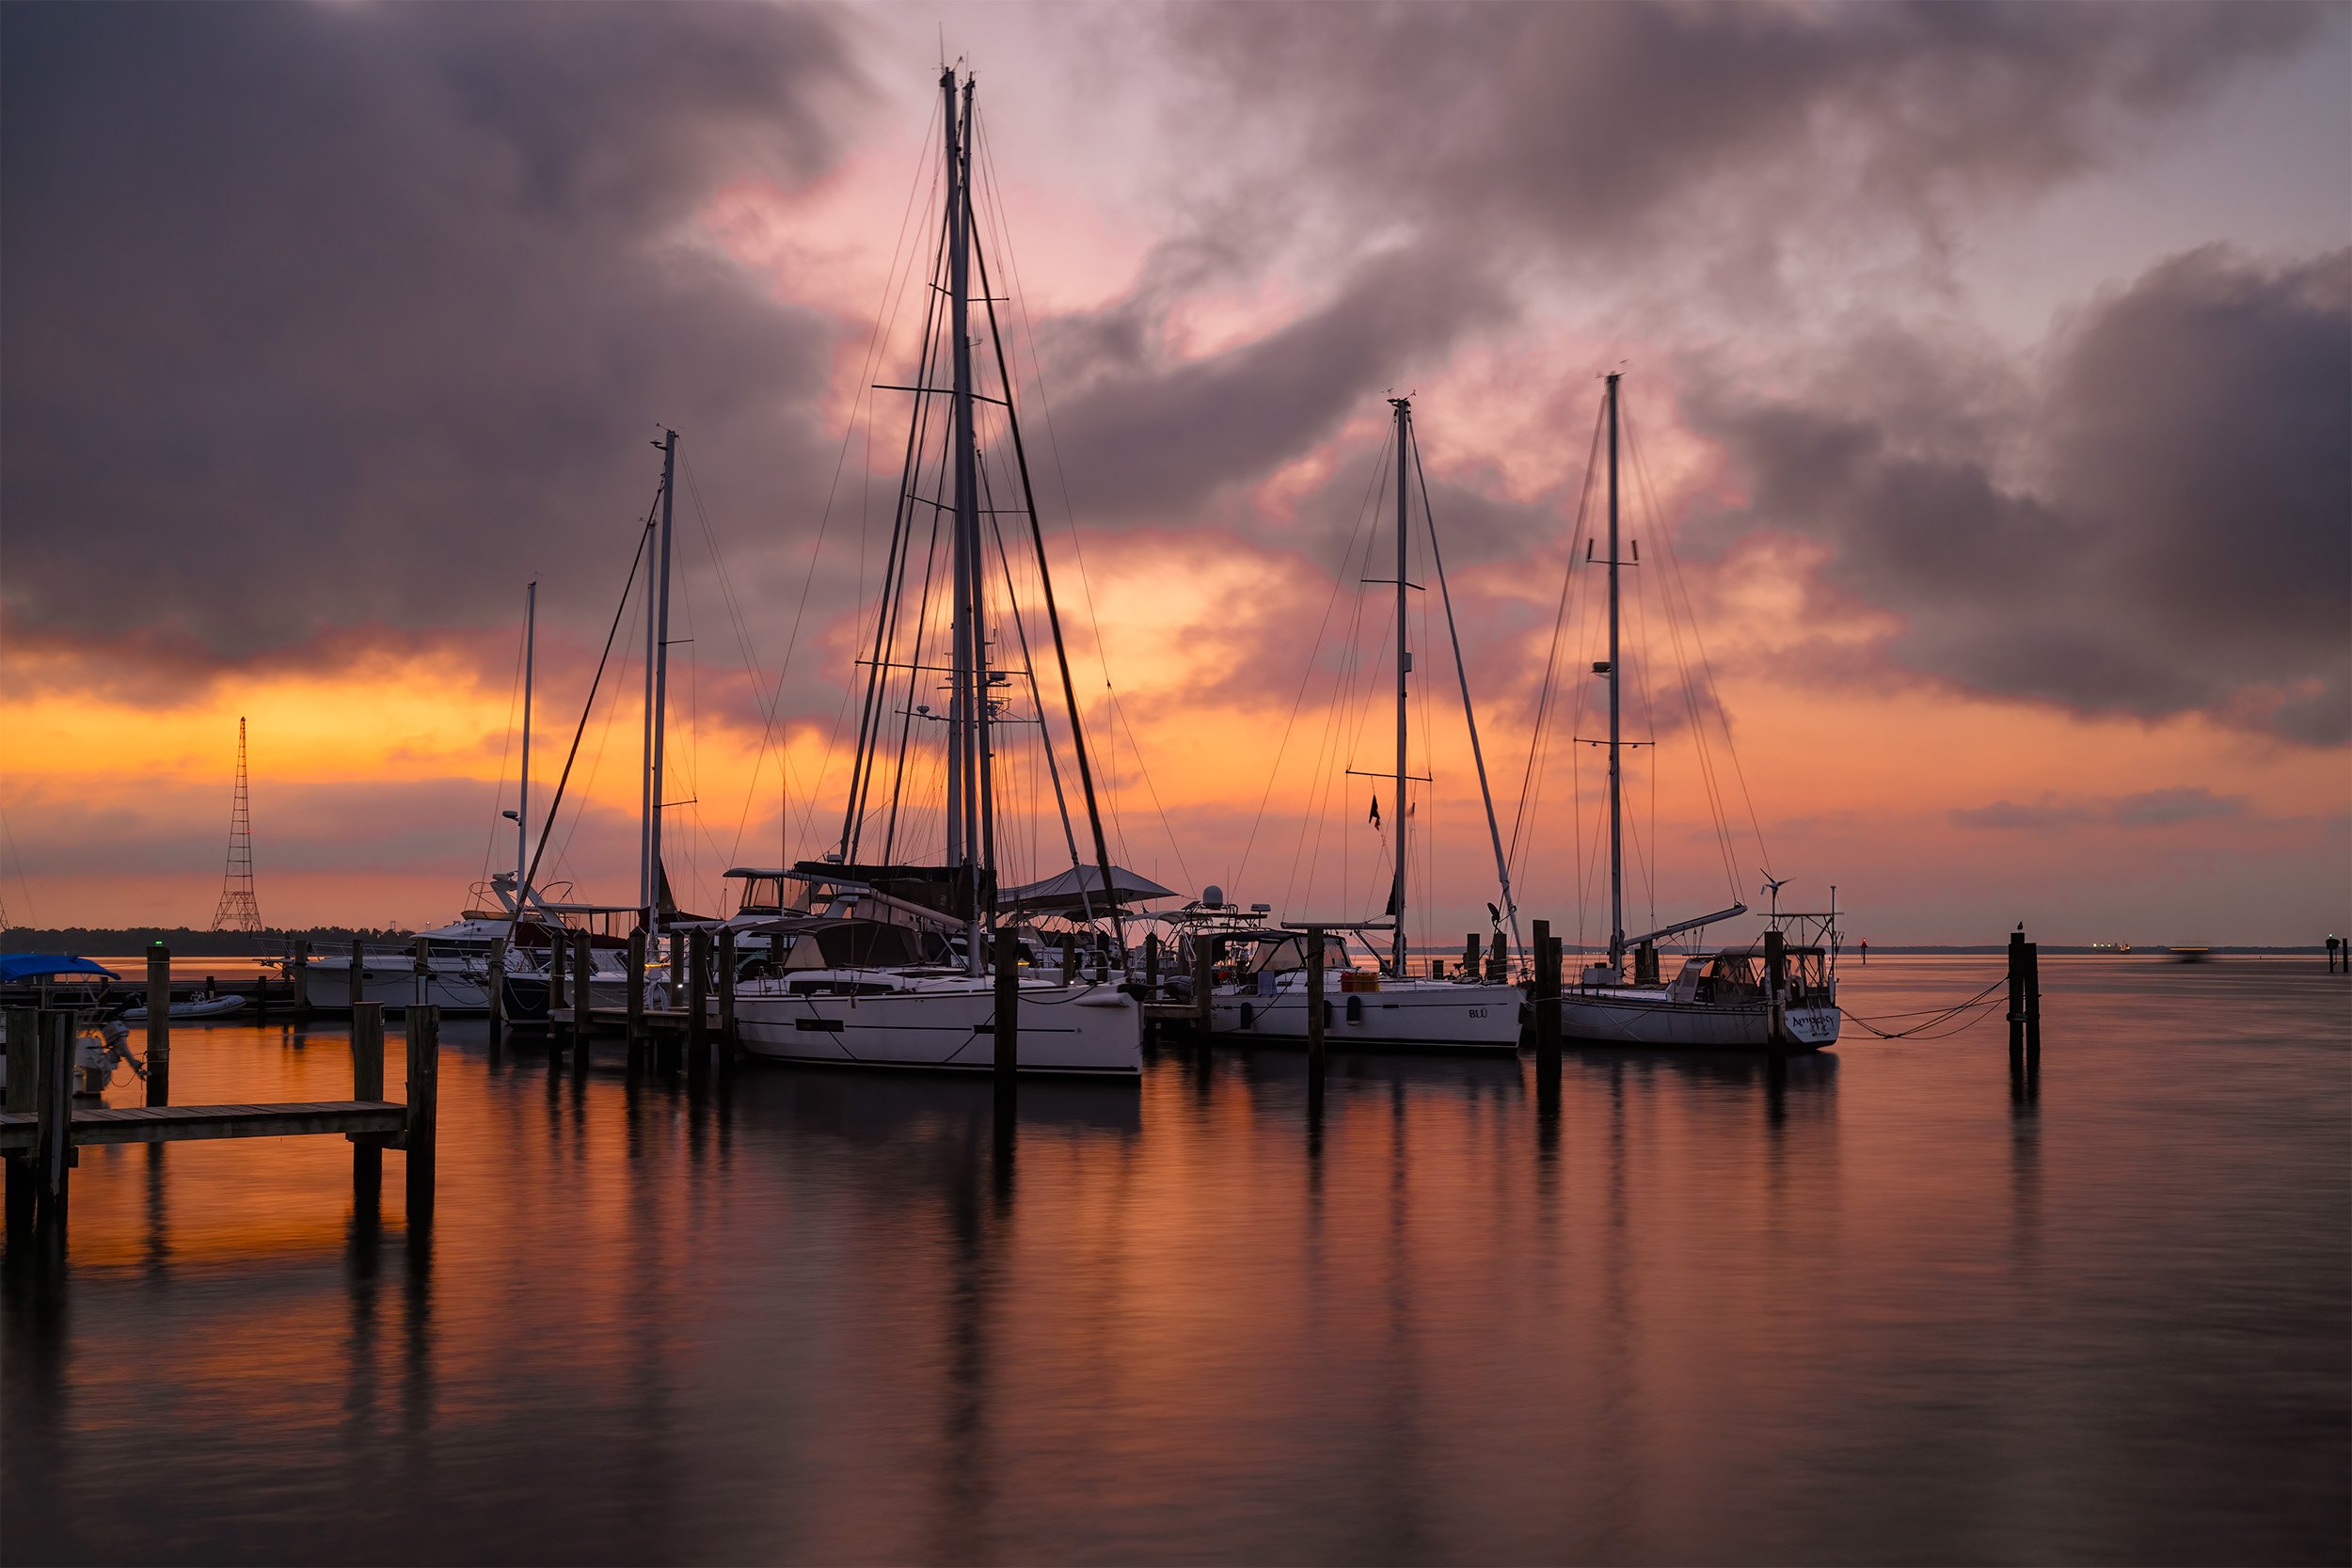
(1248, 1014)
(1354, 1009)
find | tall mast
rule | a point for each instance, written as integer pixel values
(965, 720)
(645, 763)
(1404, 408)
(1052, 618)
(1617, 791)
(522, 795)
(657, 687)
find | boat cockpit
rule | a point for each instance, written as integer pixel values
(1736, 974)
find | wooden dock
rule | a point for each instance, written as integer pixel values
(43, 1130)
(158, 1124)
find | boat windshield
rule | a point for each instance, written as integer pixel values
(764, 892)
(1277, 958)
(1736, 974)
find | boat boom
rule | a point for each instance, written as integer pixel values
(1731, 914)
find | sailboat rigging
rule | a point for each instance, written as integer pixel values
(1773, 994)
(884, 961)
(1268, 997)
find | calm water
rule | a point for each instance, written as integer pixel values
(1874, 1312)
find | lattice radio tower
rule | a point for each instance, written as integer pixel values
(238, 911)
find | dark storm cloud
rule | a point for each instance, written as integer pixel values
(2162, 526)
(1440, 165)
(1142, 436)
(1577, 121)
(319, 316)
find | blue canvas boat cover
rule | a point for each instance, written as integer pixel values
(33, 966)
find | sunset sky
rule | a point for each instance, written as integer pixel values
(1992, 367)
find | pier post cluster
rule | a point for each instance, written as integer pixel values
(42, 1133)
(691, 1030)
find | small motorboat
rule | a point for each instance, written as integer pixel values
(101, 1042)
(197, 1006)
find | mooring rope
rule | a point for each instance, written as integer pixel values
(1980, 1004)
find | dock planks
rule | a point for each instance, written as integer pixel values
(155, 1124)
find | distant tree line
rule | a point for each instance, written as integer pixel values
(180, 939)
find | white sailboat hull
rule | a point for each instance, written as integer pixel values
(1428, 1013)
(1650, 1018)
(945, 1025)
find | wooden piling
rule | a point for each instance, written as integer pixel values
(1776, 987)
(1007, 1024)
(2033, 1016)
(1544, 992)
(298, 977)
(1152, 964)
(494, 984)
(1203, 976)
(1547, 998)
(1069, 958)
(2334, 942)
(421, 1134)
(159, 1025)
(726, 992)
(2017, 1009)
(23, 1048)
(1315, 1006)
(584, 975)
(367, 1082)
(583, 998)
(636, 986)
(697, 1003)
(1469, 956)
(358, 971)
(261, 994)
(53, 1152)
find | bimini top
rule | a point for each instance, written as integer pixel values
(35, 966)
(1081, 887)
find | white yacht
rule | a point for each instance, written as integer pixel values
(885, 962)
(456, 973)
(852, 991)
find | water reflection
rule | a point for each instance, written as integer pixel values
(1689, 1307)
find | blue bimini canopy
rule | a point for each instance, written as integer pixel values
(34, 966)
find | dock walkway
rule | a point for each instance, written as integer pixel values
(42, 1132)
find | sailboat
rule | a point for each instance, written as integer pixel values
(1772, 995)
(455, 976)
(883, 962)
(1270, 994)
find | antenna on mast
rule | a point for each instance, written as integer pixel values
(237, 910)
